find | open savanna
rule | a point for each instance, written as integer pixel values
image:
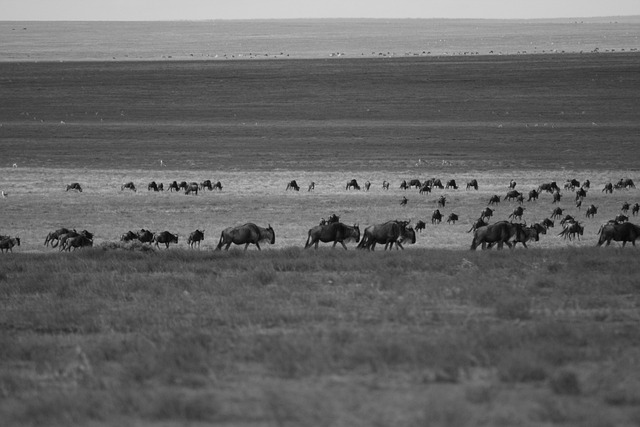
(432, 335)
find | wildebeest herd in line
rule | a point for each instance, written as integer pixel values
(395, 232)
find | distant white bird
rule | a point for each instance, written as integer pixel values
(15, 165)
(161, 163)
(4, 195)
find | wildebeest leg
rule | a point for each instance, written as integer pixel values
(398, 245)
(342, 243)
(257, 246)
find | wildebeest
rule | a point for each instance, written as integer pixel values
(312, 186)
(367, 186)
(530, 233)
(64, 239)
(174, 186)
(626, 232)
(425, 188)
(183, 185)
(336, 232)
(415, 183)
(625, 183)
(165, 238)
(452, 218)
(625, 207)
(533, 195)
(556, 197)
(192, 188)
(7, 243)
(494, 200)
(442, 201)
(217, 186)
(436, 217)
(472, 184)
(128, 186)
(403, 201)
(74, 186)
(571, 230)
(420, 225)
(547, 223)
(556, 213)
(480, 222)
(621, 218)
(352, 184)
(404, 185)
(634, 209)
(513, 194)
(608, 188)
(246, 234)
(435, 182)
(517, 213)
(581, 193)
(206, 184)
(568, 219)
(512, 184)
(145, 236)
(128, 236)
(153, 186)
(499, 233)
(55, 235)
(293, 185)
(452, 184)
(549, 187)
(486, 213)
(591, 211)
(571, 184)
(385, 185)
(76, 242)
(195, 237)
(387, 233)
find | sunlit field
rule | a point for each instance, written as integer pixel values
(435, 334)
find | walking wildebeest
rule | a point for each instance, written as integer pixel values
(387, 233)
(452, 218)
(608, 188)
(591, 211)
(367, 186)
(634, 209)
(513, 194)
(499, 233)
(425, 188)
(145, 236)
(477, 224)
(76, 242)
(530, 233)
(549, 187)
(293, 185)
(625, 207)
(74, 186)
(512, 184)
(165, 238)
(336, 232)
(486, 213)
(195, 237)
(494, 200)
(556, 213)
(129, 186)
(246, 234)
(420, 225)
(556, 197)
(55, 235)
(436, 217)
(442, 201)
(517, 213)
(192, 188)
(128, 236)
(7, 243)
(533, 195)
(571, 230)
(312, 186)
(472, 184)
(385, 185)
(625, 232)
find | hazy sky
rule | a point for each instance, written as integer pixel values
(249, 9)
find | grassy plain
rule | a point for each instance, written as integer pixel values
(433, 335)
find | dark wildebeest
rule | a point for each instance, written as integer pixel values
(336, 232)
(513, 194)
(183, 185)
(206, 184)
(55, 235)
(420, 225)
(153, 186)
(195, 237)
(625, 183)
(436, 217)
(581, 193)
(547, 223)
(479, 223)
(404, 185)
(7, 243)
(517, 213)
(442, 201)
(403, 201)
(65, 238)
(452, 184)
(533, 195)
(333, 218)
(549, 187)
(217, 186)
(387, 233)
(452, 218)
(385, 185)
(591, 211)
(415, 183)
(425, 188)
(608, 188)
(556, 197)
(499, 233)
(128, 236)
(472, 184)
(74, 186)
(165, 238)
(246, 234)
(586, 184)
(572, 184)
(174, 186)
(512, 184)
(530, 233)
(293, 185)
(486, 213)
(367, 186)
(312, 186)
(192, 188)
(568, 219)
(129, 186)
(352, 184)
(621, 218)
(634, 209)
(494, 200)
(625, 207)
(435, 182)
(556, 213)
(571, 230)
(76, 242)
(145, 236)
(626, 232)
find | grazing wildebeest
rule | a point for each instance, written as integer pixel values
(404, 185)
(128, 236)
(415, 183)
(421, 225)
(625, 183)
(586, 184)
(452, 184)
(174, 186)
(591, 211)
(571, 230)
(625, 207)
(152, 186)
(512, 184)
(472, 184)
(246, 234)
(293, 185)
(533, 195)
(183, 185)
(634, 209)
(436, 217)
(195, 237)
(581, 193)
(74, 186)
(55, 235)
(165, 238)
(192, 188)
(352, 184)
(513, 194)
(435, 182)
(494, 200)
(76, 242)
(129, 186)
(385, 185)
(7, 243)
(556, 197)
(608, 188)
(403, 201)
(442, 201)
(425, 188)
(499, 233)
(517, 213)
(145, 236)
(549, 187)
(336, 232)
(387, 233)
(206, 184)
(626, 232)
(480, 222)
(556, 213)
(312, 186)
(367, 186)
(571, 184)
(452, 218)
(217, 186)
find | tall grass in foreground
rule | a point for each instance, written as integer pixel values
(327, 337)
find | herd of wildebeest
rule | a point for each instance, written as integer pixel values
(390, 233)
